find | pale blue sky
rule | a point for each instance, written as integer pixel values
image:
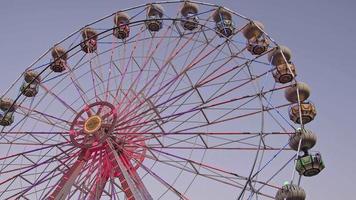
(320, 33)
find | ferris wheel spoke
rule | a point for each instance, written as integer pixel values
(66, 182)
(273, 175)
(87, 182)
(155, 112)
(170, 83)
(278, 113)
(47, 176)
(152, 108)
(124, 72)
(78, 87)
(33, 162)
(199, 95)
(163, 182)
(130, 61)
(173, 80)
(88, 111)
(58, 98)
(46, 162)
(161, 118)
(239, 67)
(99, 186)
(61, 125)
(21, 167)
(141, 113)
(146, 62)
(94, 77)
(219, 144)
(130, 181)
(113, 186)
(127, 115)
(177, 160)
(220, 147)
(32, 151)
(197, 168)
(26, 190)
(138, 98)
(213, 97)
(194, 85)
(100, 109)
(216, 121)
(29, 114)
(228, 59)
(182, 73)
(204, 170)
(194, 110)
(167, 58)
(196, 133)
(226, 102)
(145, 112)
(134, 129)
(76, 133)
(111, 64)
(239, 107)
(179, 140)
(12, 138)
(74, 81)
(36, 133)
(27, 143)
(178, 75)
(231, 118)
(47, 117)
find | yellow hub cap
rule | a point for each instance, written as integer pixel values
(92, 124)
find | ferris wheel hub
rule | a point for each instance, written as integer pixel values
(92, 124)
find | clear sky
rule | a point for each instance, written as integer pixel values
(321, 34)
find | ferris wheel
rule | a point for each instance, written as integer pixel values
(167, 100)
